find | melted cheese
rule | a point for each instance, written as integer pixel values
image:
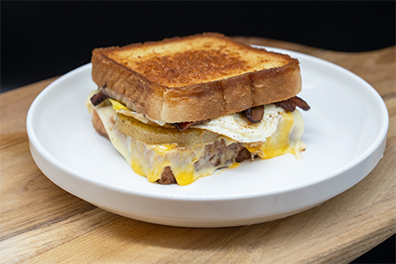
(286, 139)
(122, 109)
(150, 160)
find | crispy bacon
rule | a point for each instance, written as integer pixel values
(292, 103)
(98, 98)
(254, 114)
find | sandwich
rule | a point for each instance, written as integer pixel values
(182, 108)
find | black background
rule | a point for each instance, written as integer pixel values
(40, 40)
(44, 39)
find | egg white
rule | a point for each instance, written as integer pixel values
(238, 128)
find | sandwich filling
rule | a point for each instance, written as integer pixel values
(164, 154)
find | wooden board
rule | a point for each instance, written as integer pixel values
(41, 223)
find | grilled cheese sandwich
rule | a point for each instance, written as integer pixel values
(195, 138)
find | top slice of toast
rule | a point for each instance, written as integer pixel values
(194, 78)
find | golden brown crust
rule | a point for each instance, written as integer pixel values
(221, 77)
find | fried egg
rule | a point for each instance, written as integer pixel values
(238, 128)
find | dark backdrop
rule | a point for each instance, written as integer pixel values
(40, 40)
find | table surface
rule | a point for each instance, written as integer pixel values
(42, 223)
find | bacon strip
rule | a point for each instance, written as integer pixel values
(98, 98)
(292, 103)
(254, 114)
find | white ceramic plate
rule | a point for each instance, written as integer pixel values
(345, 135)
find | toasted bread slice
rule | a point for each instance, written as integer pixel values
(194, 78)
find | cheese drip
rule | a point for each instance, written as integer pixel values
(149, 160)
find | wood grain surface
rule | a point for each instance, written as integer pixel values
(41, 223)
